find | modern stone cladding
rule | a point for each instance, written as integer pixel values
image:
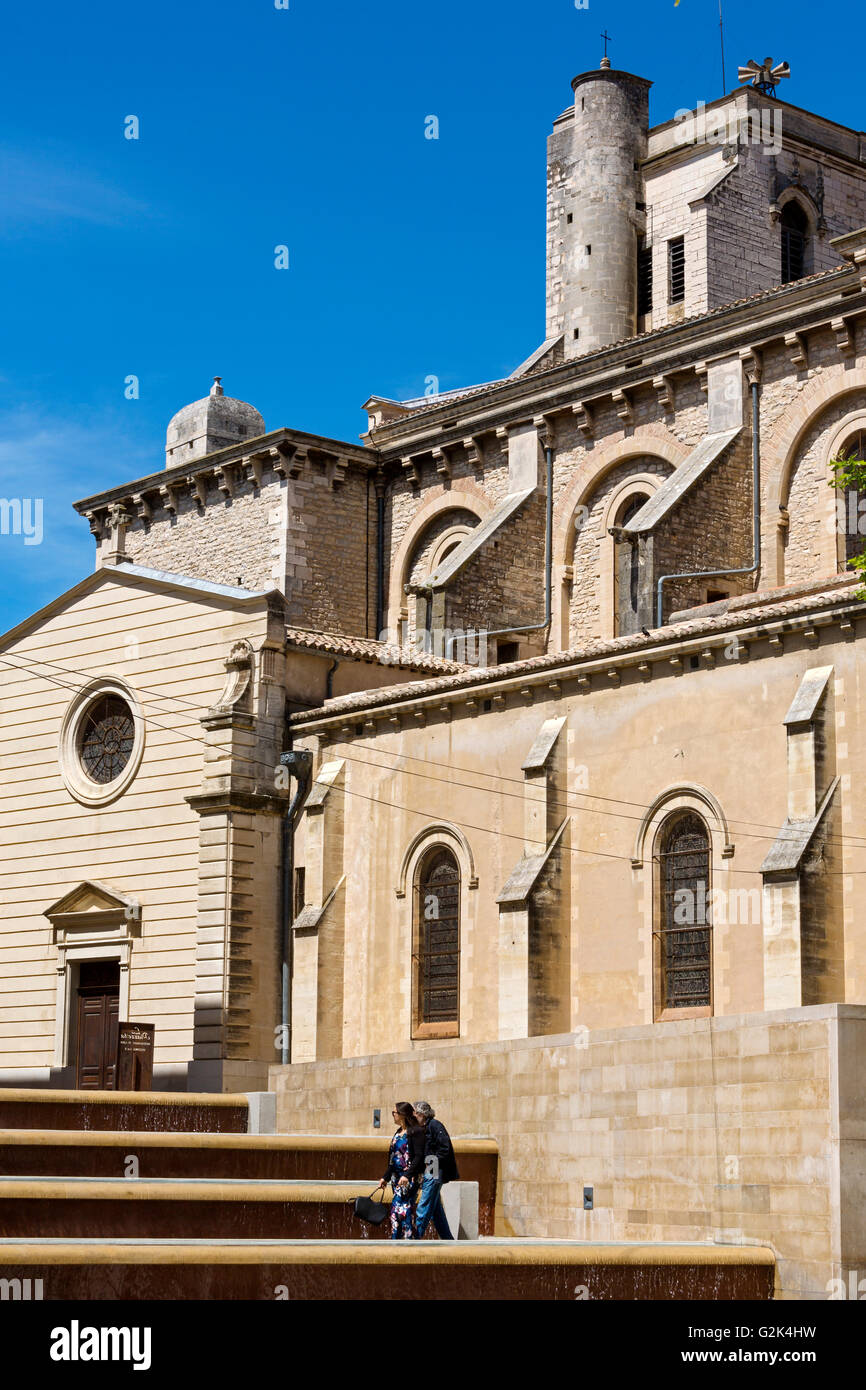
(739, 1130)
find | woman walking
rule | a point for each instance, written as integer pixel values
(405, 1166)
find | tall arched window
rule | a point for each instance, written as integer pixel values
(627, 571)
(851, 503)
(795, 229)
(684, 921)
(437, 950)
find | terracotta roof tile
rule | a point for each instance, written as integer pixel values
(368, 649)
(836, 589)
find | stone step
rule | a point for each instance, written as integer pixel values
(211, 1209)
(161, 1111)
(363, 1270)
(52, 1153)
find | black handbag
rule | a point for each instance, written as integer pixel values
(369, 1210)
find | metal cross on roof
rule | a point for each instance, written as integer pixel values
(607, 37)
(763, 76)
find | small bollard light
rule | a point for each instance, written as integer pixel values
(587, 1199)
(377, 1119)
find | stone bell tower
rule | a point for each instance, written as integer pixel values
(595, 209)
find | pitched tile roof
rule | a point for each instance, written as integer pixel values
(368, 649)
(836, 589)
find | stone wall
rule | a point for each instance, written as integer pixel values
(746, 1129)
(314, 542)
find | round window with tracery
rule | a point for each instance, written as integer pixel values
(106, 739)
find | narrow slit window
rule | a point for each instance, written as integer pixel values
(677, 270)
(644, 279)
(795, 226)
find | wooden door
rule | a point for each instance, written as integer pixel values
(98, 1011)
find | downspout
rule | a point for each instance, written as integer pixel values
(329, 678)
(300, 765)
(380, 557)
(548, 565)
(756, 518)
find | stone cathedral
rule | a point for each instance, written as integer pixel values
(515, 756)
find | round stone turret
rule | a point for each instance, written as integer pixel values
(594, 209)
(215, 422)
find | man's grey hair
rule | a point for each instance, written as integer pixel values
(423, 1108)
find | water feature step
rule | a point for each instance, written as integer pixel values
(281, 1157)
(386, 1270)
(209, 1208)
(172, 1111)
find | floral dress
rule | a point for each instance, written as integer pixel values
(403, 1204)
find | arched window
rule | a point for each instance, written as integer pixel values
(684, 921)
(851, 503)
(437, 951)
(627, 571)
(795, 231)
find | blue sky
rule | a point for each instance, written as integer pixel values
(303, 126)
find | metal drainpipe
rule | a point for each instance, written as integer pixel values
(300, 764)
(329, 679)
(756, 517)
(548, 565)
(380, 557)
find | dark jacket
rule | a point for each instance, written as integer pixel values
(439, 1146)
(417, 1140)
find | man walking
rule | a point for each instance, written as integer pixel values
(440, 1166)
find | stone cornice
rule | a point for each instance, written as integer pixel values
(674, 349)
(223, 801)
(286, 451)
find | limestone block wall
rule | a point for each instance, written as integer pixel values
(710, 529)
(715, 731)
(739, 220)
(742, 1129)
(237, 540)
(669, 191)
(503, 584)
(594, 554)
(314, 542)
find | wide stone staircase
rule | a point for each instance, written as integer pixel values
(111, 1195)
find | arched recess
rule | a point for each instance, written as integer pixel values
(572, 507)
(465, 498)
(675, 798)
(683, 919)
(791, 202)
(639, 485)
(448, 834)
(845, 509)
(780, 455)
(443, 835)
(680, 798)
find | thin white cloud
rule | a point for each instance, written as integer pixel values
(36, 188)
